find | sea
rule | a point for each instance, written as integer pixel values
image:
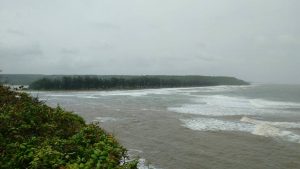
(237, 127)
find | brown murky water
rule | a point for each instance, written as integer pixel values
(195, 128)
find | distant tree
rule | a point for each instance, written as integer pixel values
(135, 82)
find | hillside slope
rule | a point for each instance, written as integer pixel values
(33, 135)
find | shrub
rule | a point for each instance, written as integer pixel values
(35, 136)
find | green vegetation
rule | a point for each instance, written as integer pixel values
(35, 136)
(130, 82)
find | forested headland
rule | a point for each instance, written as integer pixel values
(130, 82)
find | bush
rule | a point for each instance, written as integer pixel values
(35, 136)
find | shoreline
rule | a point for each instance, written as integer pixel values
(128, 89)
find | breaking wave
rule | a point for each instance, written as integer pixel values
(287, 125)
(211, 124)
(219, 105)
(141, 92)
(256, 127)
(274, 129)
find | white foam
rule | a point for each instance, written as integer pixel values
(274, 129)
(87, 96)
(60, 95)
(256, 127)
(97, 94)
(286, 125)
(219, 105)
(144, 92)
(211, 124)
(213, 89)
(225, 101)
(260, 103)
(105, 119)
(242, 102)
(143, 164)
(207, 110)
(123, 93)
(267, 130)
(133, 93)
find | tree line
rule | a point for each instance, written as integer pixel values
(135, 82)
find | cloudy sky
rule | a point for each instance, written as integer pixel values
(256, 40)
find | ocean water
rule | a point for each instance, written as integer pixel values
(250, 127)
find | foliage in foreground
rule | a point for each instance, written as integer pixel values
(33, 135)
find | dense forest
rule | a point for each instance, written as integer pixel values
(130, 82)
(34, 135)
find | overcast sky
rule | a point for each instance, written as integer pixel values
(255, 40)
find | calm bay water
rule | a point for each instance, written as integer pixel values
(250, 127)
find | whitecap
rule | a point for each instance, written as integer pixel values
(207, 110)
(211, 124)
(256, 127)
(267, 130)
(261, 103)
(60, 95)
(274, 129)
(219, 105)
(87, 96)
(287, 125)
(134, 93)
(105, 119)
(143, 164)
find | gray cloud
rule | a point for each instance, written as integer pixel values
(15, 32)
(254, 40)
(69, 51)
(20, 51)
(105, 25)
